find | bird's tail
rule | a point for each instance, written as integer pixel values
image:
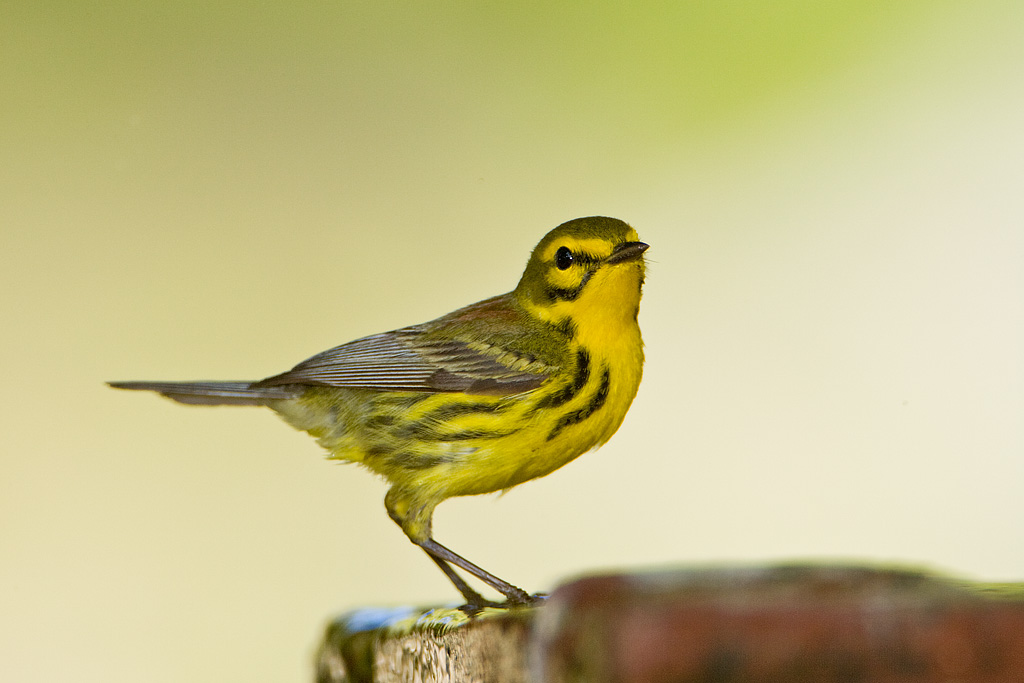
(212, 393)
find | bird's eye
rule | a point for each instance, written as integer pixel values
(563, 258)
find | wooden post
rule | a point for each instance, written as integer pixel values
(780, 624)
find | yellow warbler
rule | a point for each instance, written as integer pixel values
(481, 399)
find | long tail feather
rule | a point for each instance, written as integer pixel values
(211, 393)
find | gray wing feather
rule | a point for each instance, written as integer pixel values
(402, 360)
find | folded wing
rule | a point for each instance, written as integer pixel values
(408, 360)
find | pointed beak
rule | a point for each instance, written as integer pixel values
(627, 251)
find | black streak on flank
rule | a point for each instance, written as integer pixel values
(569, 391)
(431, 427)
(453, 410)
(582, 369)
(408, 461)
(399, 402)
(432, 430)
(422, 432)
(468, 434)
(381, 421)
(578, 416)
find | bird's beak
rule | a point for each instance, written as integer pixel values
(626, 251)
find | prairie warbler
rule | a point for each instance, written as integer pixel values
(479, 400)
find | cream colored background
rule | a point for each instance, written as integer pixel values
(834, 313)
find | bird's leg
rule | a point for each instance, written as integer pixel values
(443, 555)
(474, 600)
(415, 521)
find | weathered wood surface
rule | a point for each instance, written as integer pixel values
(442, 644)
(780, 624)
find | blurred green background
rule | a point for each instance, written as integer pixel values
(834, 312)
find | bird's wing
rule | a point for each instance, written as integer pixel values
(415, 359)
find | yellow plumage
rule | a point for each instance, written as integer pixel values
(482, 399)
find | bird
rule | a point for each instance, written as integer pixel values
(477, 401)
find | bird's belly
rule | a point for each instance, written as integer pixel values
(445, 445)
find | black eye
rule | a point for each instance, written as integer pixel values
(563, 258)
